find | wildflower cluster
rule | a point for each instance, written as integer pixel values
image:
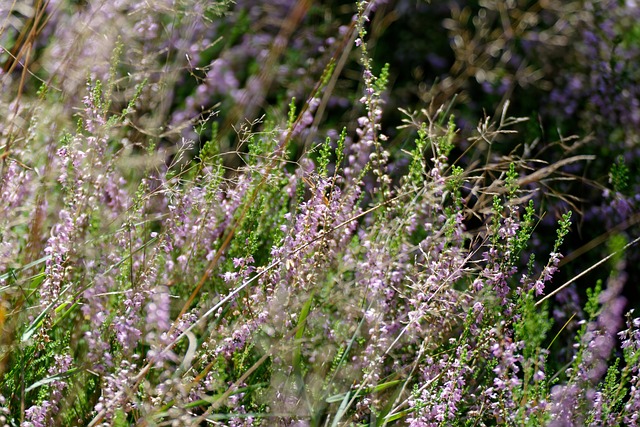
(216, 215)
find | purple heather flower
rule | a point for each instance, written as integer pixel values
(58, 246)
(158, 320)
(630, 342)
(116, 389)
(595, 349)
(43, 415)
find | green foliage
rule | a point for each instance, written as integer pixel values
(324, 157)
(592, 306)
(615, 246)
(564, 225)
(511, 181)
(381, 82)
(444, 143)
(532, 327)
(340, 149)
(418, 165)
(209, 153)
(132, 102)
(619, 175)
(525, 231)
(292, 114)
(613, 391)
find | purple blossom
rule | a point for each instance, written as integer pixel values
(568, 401)
(43, 415)
(438, 399)
(58, 247)
(630, 342)
(115, 391)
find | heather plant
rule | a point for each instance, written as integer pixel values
(188, 235)
(565, 65)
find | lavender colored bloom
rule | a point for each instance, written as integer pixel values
(116, 390)
(569, 401)
(43, 415)
(630, 342)
(436, 402)
(58, 247)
